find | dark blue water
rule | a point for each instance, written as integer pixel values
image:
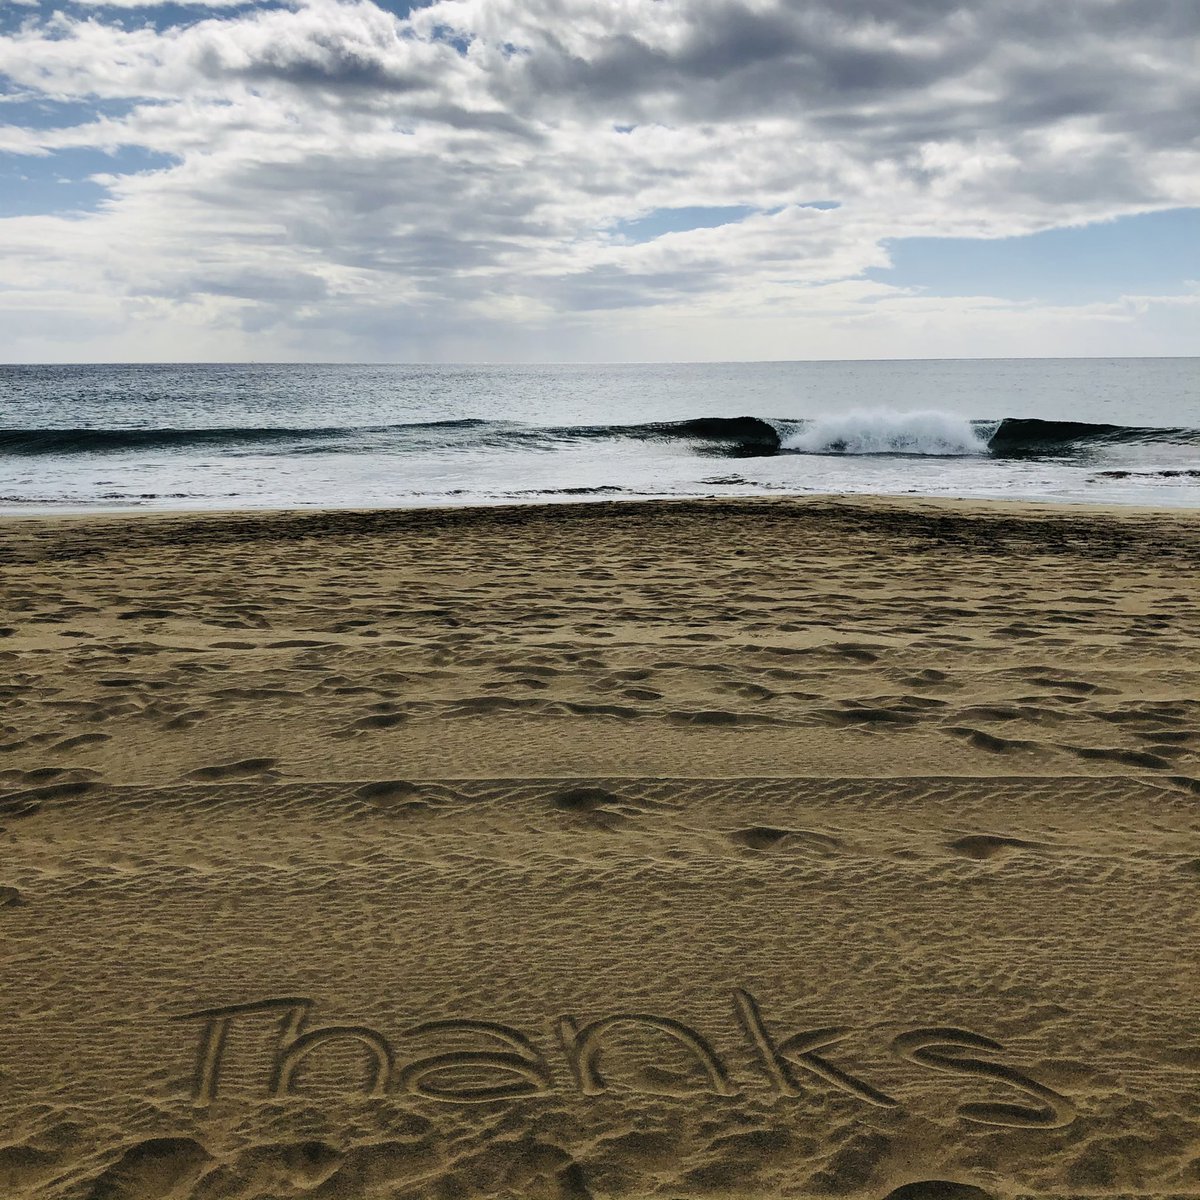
(185, 436)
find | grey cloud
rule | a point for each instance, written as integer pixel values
(352, 162)
(740, 61)
(344, 69)
(257, 285)
(423, 223)
(1029, 64)
(610, 287)
(362, 56)
(488, 121)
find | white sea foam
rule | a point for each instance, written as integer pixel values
(884, 431)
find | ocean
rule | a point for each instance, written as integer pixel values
(1111, 431)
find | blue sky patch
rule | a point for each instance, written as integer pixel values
(158, 16)
(60, 182)
(1151, 253)
(401, 8)
(681, 220)
(44, 112)
(443, 33)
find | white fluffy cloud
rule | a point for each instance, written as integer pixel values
(344, 183)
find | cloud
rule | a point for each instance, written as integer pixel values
(349, 182)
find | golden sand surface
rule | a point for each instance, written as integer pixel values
(742, 849)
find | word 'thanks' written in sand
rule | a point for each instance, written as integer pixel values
(508, 1066)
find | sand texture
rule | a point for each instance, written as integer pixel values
(759, 849)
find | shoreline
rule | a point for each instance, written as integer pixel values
(51, 512)
(816, 500)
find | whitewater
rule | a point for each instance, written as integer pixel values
(886, 431)
(276, 436)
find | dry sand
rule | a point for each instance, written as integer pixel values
(756, 849)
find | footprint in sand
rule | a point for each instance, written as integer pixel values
(396, 797)
(379, 721)
(710, 716)
(81, 739)
(938, 1189)
(598, 807)
(234, 770)
(1117, 754)
(26, 803)
(854, 712)
(863, 652)
(982, 740)
(982, 846)
(156, 1167)
(766, 837)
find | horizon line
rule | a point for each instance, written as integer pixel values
(647, 362)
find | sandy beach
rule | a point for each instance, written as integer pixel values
(763, 848)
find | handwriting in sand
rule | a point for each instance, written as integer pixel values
(508, 1066)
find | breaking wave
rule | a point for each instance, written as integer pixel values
(885, 432)
(859, 432)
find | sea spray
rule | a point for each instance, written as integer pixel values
(884, 431)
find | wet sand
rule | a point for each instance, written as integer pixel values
(743, 849)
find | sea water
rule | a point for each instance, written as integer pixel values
(1124, 431)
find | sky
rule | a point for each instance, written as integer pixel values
(598, 180)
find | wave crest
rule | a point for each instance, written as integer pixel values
(884, 431)
(856, 432)
(1016, 436)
